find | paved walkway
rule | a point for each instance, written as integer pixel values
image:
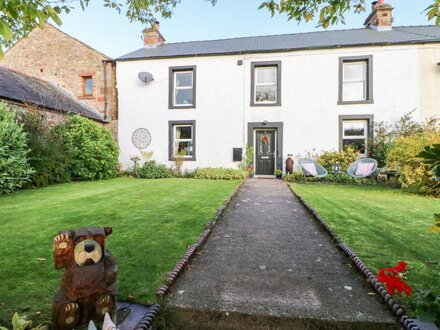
(268, 265)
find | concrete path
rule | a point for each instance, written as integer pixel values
(268, 265)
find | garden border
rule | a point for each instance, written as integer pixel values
(396, 309)
(172, 277)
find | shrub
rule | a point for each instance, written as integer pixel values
(152, 170)
(344, 158)
(248, 159)
(189, 174)
(219, 173)
(403, 155)
(92, 149)
(47, 155)
(15, 170)
(382, 142)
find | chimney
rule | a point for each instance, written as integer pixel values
(381, 17)
(152, 36)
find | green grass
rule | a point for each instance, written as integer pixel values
(382, 225)
(153, 223)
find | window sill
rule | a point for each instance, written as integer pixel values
(265, 104)
(174, 107)
(355, 102)
(186, 159)
(86, 97)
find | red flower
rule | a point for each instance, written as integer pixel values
(392, 278)
(401, 266)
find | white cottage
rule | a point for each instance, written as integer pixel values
(282, 94)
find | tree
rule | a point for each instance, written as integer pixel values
(19, 17)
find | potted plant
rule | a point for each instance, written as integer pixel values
(278, 173)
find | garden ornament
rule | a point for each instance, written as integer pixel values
(88, 286)
(289, 164)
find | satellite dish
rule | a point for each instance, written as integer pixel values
(145, 77)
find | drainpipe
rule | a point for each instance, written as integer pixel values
(105, 62)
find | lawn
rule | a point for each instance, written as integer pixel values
(153, 223)
(382, 225)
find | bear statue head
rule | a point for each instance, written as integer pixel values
(84, 246)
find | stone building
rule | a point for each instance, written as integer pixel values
(51, 102)
(53, 56)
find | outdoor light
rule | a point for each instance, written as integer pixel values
(265, 122)
(336, 167)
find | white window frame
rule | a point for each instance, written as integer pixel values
(256, 84)
(356, 137)
(354, 81)
(177, 88)
(176, 141)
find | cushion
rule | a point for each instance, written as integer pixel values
(364, 169)
(310, 168)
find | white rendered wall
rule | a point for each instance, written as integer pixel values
(309, 109)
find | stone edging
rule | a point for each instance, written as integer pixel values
(148, 319)
(396, 309)
(172, 277)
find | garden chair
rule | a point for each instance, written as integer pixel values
(362, 168)
(312, 168)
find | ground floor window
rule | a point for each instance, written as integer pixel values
(182, 139)
(355, 133)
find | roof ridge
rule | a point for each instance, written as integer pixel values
(287, 34)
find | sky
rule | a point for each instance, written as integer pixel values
(114, 35)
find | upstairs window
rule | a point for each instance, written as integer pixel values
(266, 84)
(182, 87)
(87, 86)
(355, 80)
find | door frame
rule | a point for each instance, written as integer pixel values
(278, 127)
(274, 130)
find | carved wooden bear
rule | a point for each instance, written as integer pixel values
(88, 286)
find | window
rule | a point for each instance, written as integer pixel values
(182, 139)
(355, 131)
(182, 91)
(87, 86)
(266, 84)
(355, 85)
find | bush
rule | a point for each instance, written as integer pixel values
(15, 170)
(344, 158)
(47, 155)
(219, 173)
(382, 142)
(152, 170)
(189, 174)
(92, 149)
(403, 155)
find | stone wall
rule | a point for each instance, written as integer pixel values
(51, 118)
(52, 55)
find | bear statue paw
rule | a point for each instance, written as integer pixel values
(69, 316)
(104, 304)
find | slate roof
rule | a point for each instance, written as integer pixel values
(21, 88)
(291, 42)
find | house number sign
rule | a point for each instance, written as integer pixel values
(141, 138)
